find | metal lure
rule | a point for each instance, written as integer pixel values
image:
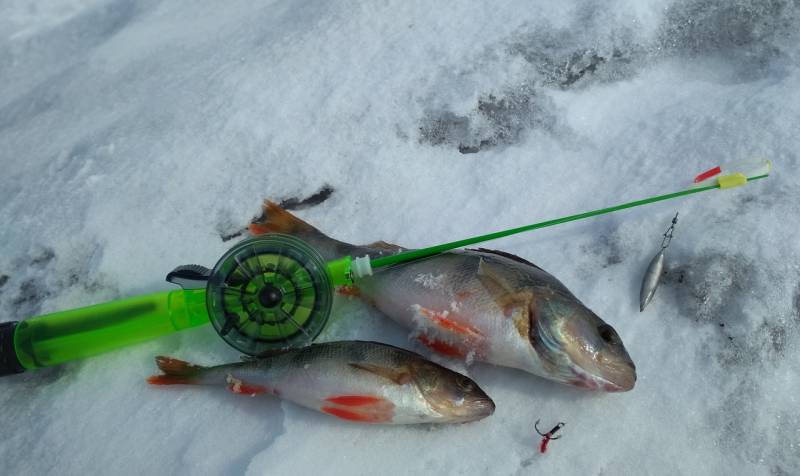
(655, 269)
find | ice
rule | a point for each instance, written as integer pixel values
(137, 136)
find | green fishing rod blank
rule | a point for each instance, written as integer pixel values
(735, 180)
(52, 339)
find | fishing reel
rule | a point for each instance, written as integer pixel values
(266, 293)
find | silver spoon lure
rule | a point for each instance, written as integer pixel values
(655, 269)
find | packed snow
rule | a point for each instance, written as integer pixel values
(137, 136)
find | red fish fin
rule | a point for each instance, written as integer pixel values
(170, 380)
(275, 219)
(245, 388)
(171, 366)
(357, 416)
(399, 376)
(361, 408)
(449, 322)
(176, 372)
(351, 291)
(441, 347)
(354, 400)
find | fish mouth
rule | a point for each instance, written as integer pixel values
(621, 380)
(476, 409)
(621, 384)
(482, 408)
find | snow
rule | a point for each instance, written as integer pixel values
(134, 135)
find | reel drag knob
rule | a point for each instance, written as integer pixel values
(268, 293)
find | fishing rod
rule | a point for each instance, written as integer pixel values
(267, 293)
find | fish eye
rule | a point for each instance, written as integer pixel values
(607, 333)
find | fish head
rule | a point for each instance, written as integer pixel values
(578, 347)
(455, 397)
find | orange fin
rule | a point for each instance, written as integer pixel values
(175, 372)
(363, 417)
(351, 291)
(362, 408)
(275, 219)
(400, 376)
(171, 366)
(354, 400)
(236, 385)
(441, 347)
(170, 380)
(445, 321)
(247, 389)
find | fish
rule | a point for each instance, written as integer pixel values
(481, 305)
(357, 381)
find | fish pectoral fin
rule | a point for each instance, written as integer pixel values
(493, 279)
(514, 304)
(400, 376)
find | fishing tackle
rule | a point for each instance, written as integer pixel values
(267, 293)
(549, 436)
(652, 277)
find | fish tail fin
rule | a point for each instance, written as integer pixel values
(176, 372)
(274, 219)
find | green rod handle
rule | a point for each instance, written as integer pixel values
(59, 337)
(434, 250)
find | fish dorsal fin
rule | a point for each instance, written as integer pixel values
(545, 282)
(506, 255)
(399, 376)
(265, 354)
(382, 245)
(275, 219)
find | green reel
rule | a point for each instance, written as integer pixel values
(270, 292)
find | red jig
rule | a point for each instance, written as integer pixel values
(547, 437)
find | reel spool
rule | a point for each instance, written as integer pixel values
(268, 293)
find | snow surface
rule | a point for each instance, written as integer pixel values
(135, 135)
